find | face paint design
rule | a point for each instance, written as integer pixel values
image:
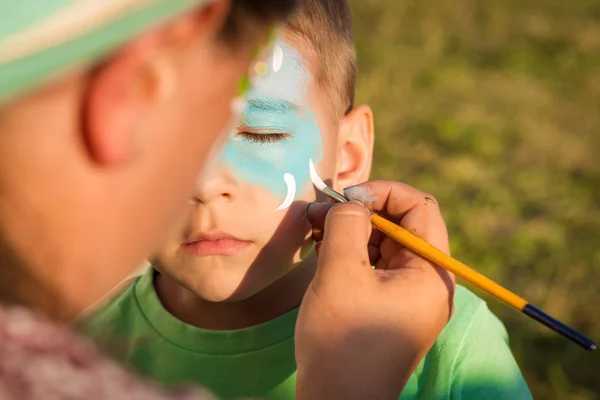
(277, 58)
(290, 181)
(278, 132)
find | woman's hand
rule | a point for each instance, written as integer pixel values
(362, 331)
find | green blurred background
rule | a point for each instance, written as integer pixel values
(494, 107)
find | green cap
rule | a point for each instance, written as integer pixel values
(43, 39)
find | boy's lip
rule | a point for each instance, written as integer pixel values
(214, 243)
(214, 235)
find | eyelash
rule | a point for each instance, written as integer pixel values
(263, 137)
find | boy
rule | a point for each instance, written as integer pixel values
(220, 303)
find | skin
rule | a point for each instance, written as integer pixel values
(287, 122)
(79, 205)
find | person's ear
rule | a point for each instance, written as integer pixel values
(356, 137)
(135, 83)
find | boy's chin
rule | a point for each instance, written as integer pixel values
(225, 289)
(225, 297)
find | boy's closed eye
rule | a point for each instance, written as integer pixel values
(262, 136)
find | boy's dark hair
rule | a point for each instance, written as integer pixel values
(326, 27)
(256, 11)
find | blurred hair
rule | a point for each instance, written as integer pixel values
(254, 11)
(327, 28)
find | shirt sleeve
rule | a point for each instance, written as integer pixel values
(485, 367)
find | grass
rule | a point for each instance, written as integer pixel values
(494, 107)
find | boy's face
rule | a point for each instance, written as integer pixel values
(245, 226)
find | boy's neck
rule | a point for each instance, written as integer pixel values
(275, 300)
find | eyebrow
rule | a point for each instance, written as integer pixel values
(280, 106)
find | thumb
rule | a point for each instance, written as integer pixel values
(345, 241)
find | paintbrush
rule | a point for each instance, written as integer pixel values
(429, 252)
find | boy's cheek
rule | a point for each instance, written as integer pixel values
(290, 239)
(176, 232)
(168, 250)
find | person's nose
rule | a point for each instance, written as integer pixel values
(218, 183)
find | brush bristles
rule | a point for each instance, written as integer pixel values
(316, 179)
(359, 193)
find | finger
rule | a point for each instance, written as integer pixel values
(389, 247)
(317, 234)
(393, 198)
(416, 211)
(373, 245)
(316, 214)
(372, 249)
(346, 234)
(318, 248)
(381, 264)
(374, 253)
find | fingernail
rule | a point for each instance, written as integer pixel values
(348, 189)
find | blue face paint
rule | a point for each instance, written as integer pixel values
(278, 104)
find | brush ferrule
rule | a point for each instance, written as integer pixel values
(334, 195)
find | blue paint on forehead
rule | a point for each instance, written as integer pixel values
(278, 103)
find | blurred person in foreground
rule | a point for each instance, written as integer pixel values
(108, 111)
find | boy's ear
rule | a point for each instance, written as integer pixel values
(355, 147)
(133, 85)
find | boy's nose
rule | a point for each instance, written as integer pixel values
(216, 185)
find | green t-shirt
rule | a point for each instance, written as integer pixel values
(470, 360)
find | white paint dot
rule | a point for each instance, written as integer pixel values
(277, 58)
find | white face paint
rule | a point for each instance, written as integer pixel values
(290, 182)
(277, 58)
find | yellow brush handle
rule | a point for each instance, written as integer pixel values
(442, 259)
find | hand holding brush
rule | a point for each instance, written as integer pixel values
(361, 332)
(418, 244)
